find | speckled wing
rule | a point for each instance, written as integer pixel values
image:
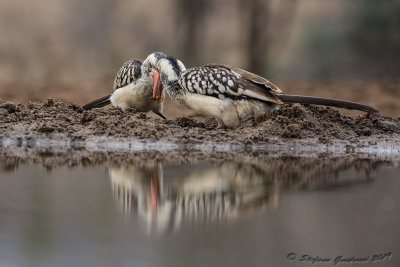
(255, 78)
(129, 72)
(222, 80)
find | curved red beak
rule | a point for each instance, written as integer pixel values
(157, 87)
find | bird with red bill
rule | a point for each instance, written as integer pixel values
(133, 86)
(230, 94)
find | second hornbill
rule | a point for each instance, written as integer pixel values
(229, 94)
(133, 86)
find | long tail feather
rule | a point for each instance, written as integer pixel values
(325, 102)
(98, 103)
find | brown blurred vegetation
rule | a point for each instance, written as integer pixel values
(80, 44)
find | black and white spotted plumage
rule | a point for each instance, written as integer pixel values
(223, 81)
(129, 72)
(229, 94)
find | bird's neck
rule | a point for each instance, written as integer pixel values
(175, 91)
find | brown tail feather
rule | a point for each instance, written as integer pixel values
(325, 102)
(98, 103)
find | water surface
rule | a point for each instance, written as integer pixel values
(156, 212)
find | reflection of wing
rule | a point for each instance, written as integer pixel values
(129, 72)
(228, 188)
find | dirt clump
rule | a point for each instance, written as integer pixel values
(308, 121)
(55, 118)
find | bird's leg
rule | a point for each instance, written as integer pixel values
(221, 125)
(160, 114)
(229, 115)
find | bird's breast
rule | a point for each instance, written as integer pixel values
(137, 96)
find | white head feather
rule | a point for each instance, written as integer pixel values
(152, 60)
(165, 66)
(181, 66)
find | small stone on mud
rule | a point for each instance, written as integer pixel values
(142, 116)
(186, 122)
(210, 123)
(48, 103)
(87, 116)
(292, 131)
(30, 105)
(323, 139)
(45, 129)
(130, 110)
(366, 131)
(11, 108)
(393, 125)
(75, 107)
(3, 112)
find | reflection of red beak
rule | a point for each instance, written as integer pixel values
(158, 88)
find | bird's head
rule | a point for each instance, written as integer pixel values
(150, 63)
(167, 71)
(149, 68)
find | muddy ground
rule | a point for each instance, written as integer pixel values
(55, 118)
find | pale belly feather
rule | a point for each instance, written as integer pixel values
(251, 108)
(137, 97)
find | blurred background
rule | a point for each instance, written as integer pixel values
(71, 50)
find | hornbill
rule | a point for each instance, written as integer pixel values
(133, 86)
(229, 94)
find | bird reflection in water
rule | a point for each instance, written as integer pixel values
(207, 192)
(211, 193)
(137, 187)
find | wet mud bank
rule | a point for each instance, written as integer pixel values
(293, 155)
(291, 129)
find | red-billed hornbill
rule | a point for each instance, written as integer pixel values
(133, 86)
(229, 94)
